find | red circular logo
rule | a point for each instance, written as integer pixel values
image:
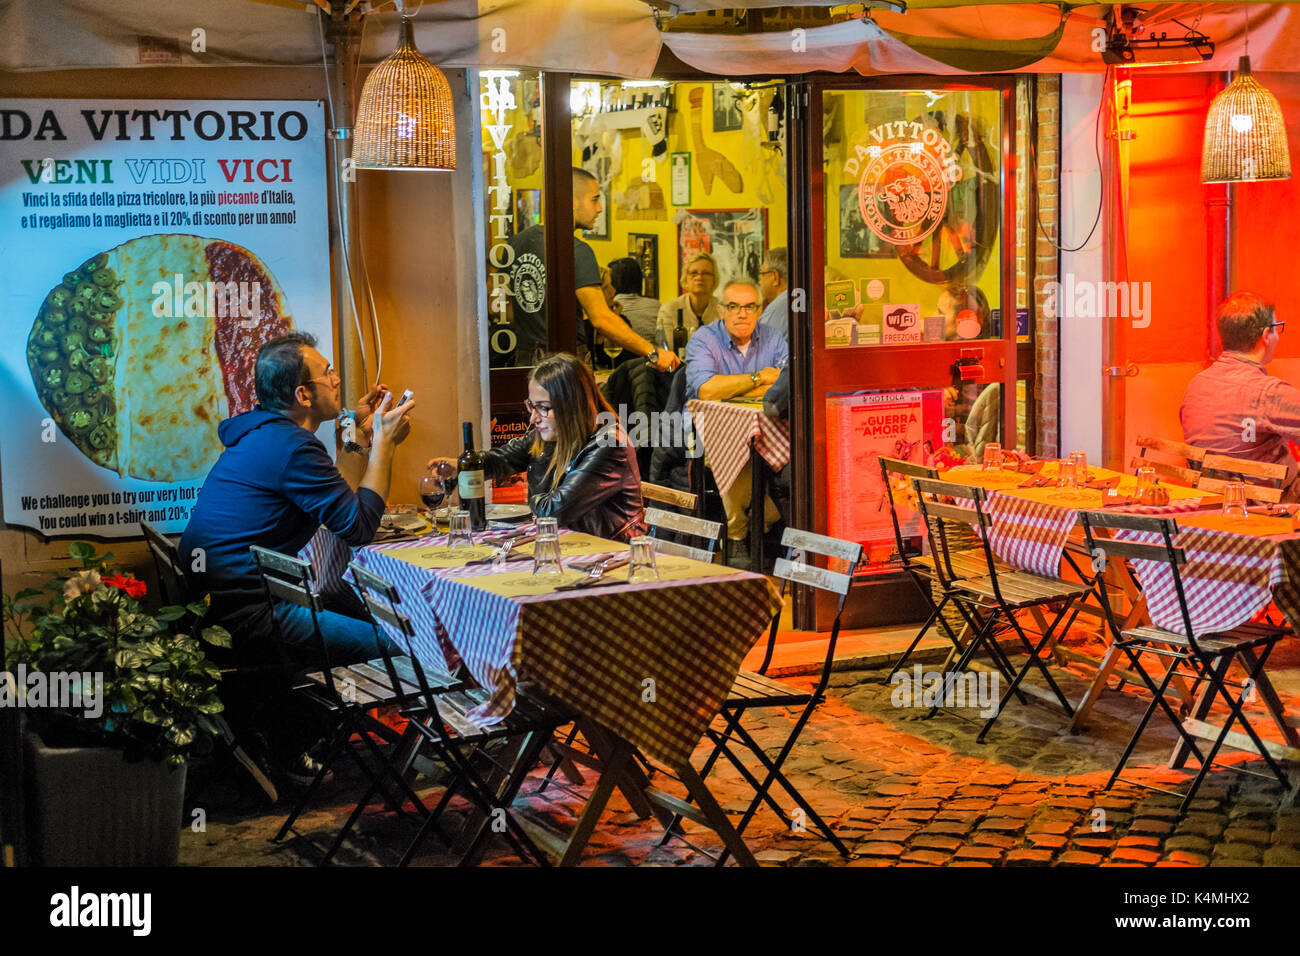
(902, 194)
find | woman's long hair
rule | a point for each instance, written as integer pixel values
(575, 403)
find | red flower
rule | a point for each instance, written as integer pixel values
(132, 586)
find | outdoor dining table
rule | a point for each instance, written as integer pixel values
(732, 433)
(646, 665)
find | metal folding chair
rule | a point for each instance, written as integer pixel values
(348, 694)
(439, 715)
(1203, 659)
(755, 690)
(999, 594)
(175, 590)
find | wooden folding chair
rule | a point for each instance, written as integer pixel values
(1202, 658)
(1263, 480)
(438, 713)
(1000, 594)
(349, 694)
(1183, 470)
(756, 691)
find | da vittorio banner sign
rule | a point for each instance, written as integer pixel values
(157, 245)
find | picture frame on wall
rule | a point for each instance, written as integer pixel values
(600, 229)
(736, 238)
(857, 241)
(528, 208)
(726, 108)
(644, 248)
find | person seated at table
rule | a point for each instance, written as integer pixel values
(1236, 408)
(696, 303)
(581, 467)
(640, 311)
(737, 358)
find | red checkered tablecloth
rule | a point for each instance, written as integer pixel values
(726, 429)
(1228, 577)
(653, 662)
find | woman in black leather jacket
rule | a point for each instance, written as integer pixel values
(581, 467)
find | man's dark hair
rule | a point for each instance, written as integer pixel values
(626, 275)
(581, 176)
(280, 370)
(1242, 318)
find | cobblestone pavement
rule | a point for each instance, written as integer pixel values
(897, 788)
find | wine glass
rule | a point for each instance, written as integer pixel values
(444, 472)
(613, 350)
(432, 492)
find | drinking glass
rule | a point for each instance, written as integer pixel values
(992, 456)
(612, 350)
(546, 549)
(458, 534)
(1234, 499)
(642, 566)
(1080, 460)
(1065, 474)
(432, 492)
(445, 472)
(1146, 479)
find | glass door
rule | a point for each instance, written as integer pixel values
(911, 292)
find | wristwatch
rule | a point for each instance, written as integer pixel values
(754, 377)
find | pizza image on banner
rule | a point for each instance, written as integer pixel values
(140, 351)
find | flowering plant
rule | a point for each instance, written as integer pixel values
(140, 683)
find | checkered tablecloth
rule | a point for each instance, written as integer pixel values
(726, 429)
(1228, 577)
(653, 662)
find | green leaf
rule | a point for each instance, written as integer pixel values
(149, 716)
(198, 608)
(217, 636)
(170, 613)
(211, 706)
(81, 551)
(25, 594)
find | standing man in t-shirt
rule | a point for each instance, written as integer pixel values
(528, 284)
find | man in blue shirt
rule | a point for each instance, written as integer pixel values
(736, 358)
(774, 283)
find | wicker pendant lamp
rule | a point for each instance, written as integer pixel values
(406, 119)
(1245, 135)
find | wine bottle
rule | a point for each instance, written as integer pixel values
(680, 337)
(470, 481)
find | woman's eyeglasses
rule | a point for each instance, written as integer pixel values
(538, 408)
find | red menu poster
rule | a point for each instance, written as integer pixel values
(860, 428)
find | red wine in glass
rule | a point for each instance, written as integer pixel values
(432, 493)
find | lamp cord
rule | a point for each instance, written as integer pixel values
(1101, 176)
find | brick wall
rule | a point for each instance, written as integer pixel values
(1046, 337)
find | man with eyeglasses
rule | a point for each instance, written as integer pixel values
(1235, 407)
(736, 358)
(275, 486)
(774, 283)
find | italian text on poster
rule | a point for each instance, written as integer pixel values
(861, 428)
(154, 247)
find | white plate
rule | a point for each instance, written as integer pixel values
(507, 512)
(404, 521)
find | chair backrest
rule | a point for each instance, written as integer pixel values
(906, 469)
(290, 579)
(381, 599)
(1162, 551)
(1190, 455)
(167, 562)
(794, 566)
(669, 496)
(709, 532)
(931, 495)
(1263, 480)
(1173, 473)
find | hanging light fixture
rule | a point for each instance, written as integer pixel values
(406, 119)
(1245, 135)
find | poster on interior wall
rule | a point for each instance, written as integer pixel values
(734, 237)
(860, 428)
(161, 243)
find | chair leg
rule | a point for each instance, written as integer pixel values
(971, 646)
(336, 743)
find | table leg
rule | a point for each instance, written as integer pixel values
(757, 507)
(714, 814)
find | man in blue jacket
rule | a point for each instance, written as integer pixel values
(275, 485)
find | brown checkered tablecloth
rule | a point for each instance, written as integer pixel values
(725, 430)
(652, 662)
